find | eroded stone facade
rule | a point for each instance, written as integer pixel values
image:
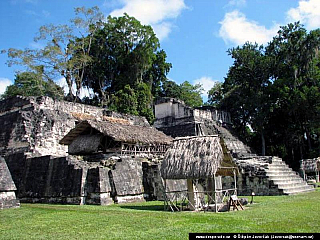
(43, 170)
(7, 188)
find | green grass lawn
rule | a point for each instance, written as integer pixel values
(299, 213)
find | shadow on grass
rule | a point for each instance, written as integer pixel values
(157, 207)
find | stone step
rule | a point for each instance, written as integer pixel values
(275, 170)
(278, 166)
(288, 181)
(277, 160)
(281, 173)
(288, 186)
(292, 192)
(284, 178)
(283, 169)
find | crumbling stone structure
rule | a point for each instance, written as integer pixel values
(7, 188)
(43, 170)
(176, 119)
(263, 175)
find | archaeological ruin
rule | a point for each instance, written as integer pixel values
(118, 162)
(263, 175)
(7, 188)
(63, 152)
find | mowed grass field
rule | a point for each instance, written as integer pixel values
(277, 214)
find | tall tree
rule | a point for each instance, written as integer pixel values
(295, 69)
(215, 95)
(125, 52)
(276, 90)
(125, 101)
(32, 84)
(245, 89)
(61, 43)
(191, 94)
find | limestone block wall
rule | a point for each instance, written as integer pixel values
(71, 180)
(35, 125)
(127, 178)
(7, 188)
(48, 180)
(41, 169)
(155, 186)
(32, 128)
(169, 107)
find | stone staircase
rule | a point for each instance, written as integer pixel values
(287, 180)
(280, 174)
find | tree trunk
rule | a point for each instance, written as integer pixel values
(301, 148)
(69, 83)
(263, 144)
(309, 141)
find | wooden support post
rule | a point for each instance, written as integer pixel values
(191, 194)
(210, 186)
(165, 195)
(215, 194)
(235, 181)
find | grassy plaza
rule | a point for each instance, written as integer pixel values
(277, 214)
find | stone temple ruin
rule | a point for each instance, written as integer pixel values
(104, 157)
(263, 175)
(62, 152)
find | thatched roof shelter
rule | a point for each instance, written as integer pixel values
(195, 157)
(310, 165)
(119, 132)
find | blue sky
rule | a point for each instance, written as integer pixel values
(194, 33)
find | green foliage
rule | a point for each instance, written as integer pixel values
(171, 89)
(136, 102)
(125, 101)
(157, 74)
(63, 53)
(124, 52)
(116, 57)
(32, 84)
(190, 94)
(144, 99)
(275, 90)
(215, 95)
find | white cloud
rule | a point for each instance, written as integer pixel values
(4, 83)
(307, 12)
(207, 83)
(162, 29)
(63, 83)
(84, 92)
(237, 3)
(156, 13)
(237, 29)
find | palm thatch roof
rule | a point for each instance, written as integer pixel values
(194, 158)
(119, 132)
(310, 165)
